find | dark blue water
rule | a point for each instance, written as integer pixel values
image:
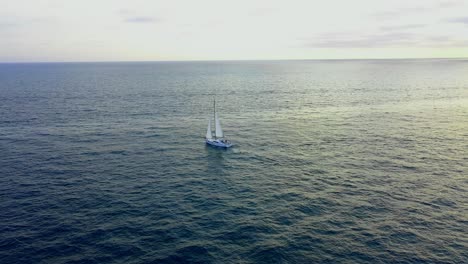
(334, 161)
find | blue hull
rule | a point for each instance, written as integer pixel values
(219, 143)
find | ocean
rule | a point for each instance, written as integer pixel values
(340, 161)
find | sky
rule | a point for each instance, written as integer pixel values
(154, 30)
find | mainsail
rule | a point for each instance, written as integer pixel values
(208, 131)
(217, 139)
(218, 130)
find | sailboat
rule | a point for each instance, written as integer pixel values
(217, 139)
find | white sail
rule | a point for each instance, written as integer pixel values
(208, 131)
(218, 130)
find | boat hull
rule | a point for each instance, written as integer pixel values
(218, 143)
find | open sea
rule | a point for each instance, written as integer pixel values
(345, 161)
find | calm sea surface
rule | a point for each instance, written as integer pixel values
(334, 161)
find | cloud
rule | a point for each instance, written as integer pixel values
(8, 24)
(402, 27)
(141, 19)
(17, 23)
(401, 12)
(366, 41)
(448, 4)
(384, 40)
(463, 20)
(263, 11)
(125, 11)
(416, 10)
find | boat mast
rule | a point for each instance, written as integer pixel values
(214, 113)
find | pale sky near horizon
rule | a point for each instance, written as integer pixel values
(145, 30)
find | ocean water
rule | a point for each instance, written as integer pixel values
(351, 161)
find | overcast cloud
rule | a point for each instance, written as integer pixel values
(56, 30)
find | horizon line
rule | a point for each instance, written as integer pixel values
(233, 60)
